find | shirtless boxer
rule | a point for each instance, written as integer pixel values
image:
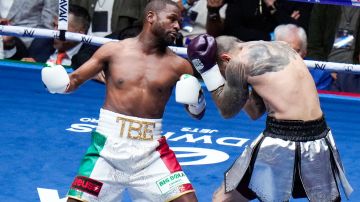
(295, 155)
(127, 149)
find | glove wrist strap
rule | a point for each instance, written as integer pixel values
(213, 78)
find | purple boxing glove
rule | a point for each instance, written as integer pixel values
(202, 54)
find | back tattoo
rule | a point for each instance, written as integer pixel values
(268, 57)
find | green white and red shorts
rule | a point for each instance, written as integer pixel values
(129, 153)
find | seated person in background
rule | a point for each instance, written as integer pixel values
(14, 47)
(25, 13)
(296, 37)
(79, 22)
(47, 48)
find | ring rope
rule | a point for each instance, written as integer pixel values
(181, 51)
(47, 33)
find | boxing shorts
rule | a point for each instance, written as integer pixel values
(289, 158)
(129, 153)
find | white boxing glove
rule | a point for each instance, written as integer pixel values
(187, 89)
(55, 78)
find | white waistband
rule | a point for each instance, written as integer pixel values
(119, 125)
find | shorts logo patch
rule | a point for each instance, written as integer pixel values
(87, 185)
(173, 181)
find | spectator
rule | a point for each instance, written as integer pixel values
(12, 47)
(45, 45)
(34, 13)
(333, 31)
(79, 22)
(296, 37)
(299, 12)
(253, 20)
(118, 14)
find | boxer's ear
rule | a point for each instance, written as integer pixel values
(150, 17)
(225, 57)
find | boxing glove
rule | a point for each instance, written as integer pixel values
(55, 78)
(197, 111)
(202, 54)
(188, 91)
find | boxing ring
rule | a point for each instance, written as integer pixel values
(44, 136)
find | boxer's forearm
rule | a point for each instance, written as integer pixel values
(229, 100)
(232, 96)
(75, 82)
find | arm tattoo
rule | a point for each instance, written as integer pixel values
(268, 57)
(233, 95)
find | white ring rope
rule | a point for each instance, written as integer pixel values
(47, 33)
(181, 51)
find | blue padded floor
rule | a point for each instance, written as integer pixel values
(44, 136)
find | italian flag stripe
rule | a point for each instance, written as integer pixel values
(90, 159)
(168, 156)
